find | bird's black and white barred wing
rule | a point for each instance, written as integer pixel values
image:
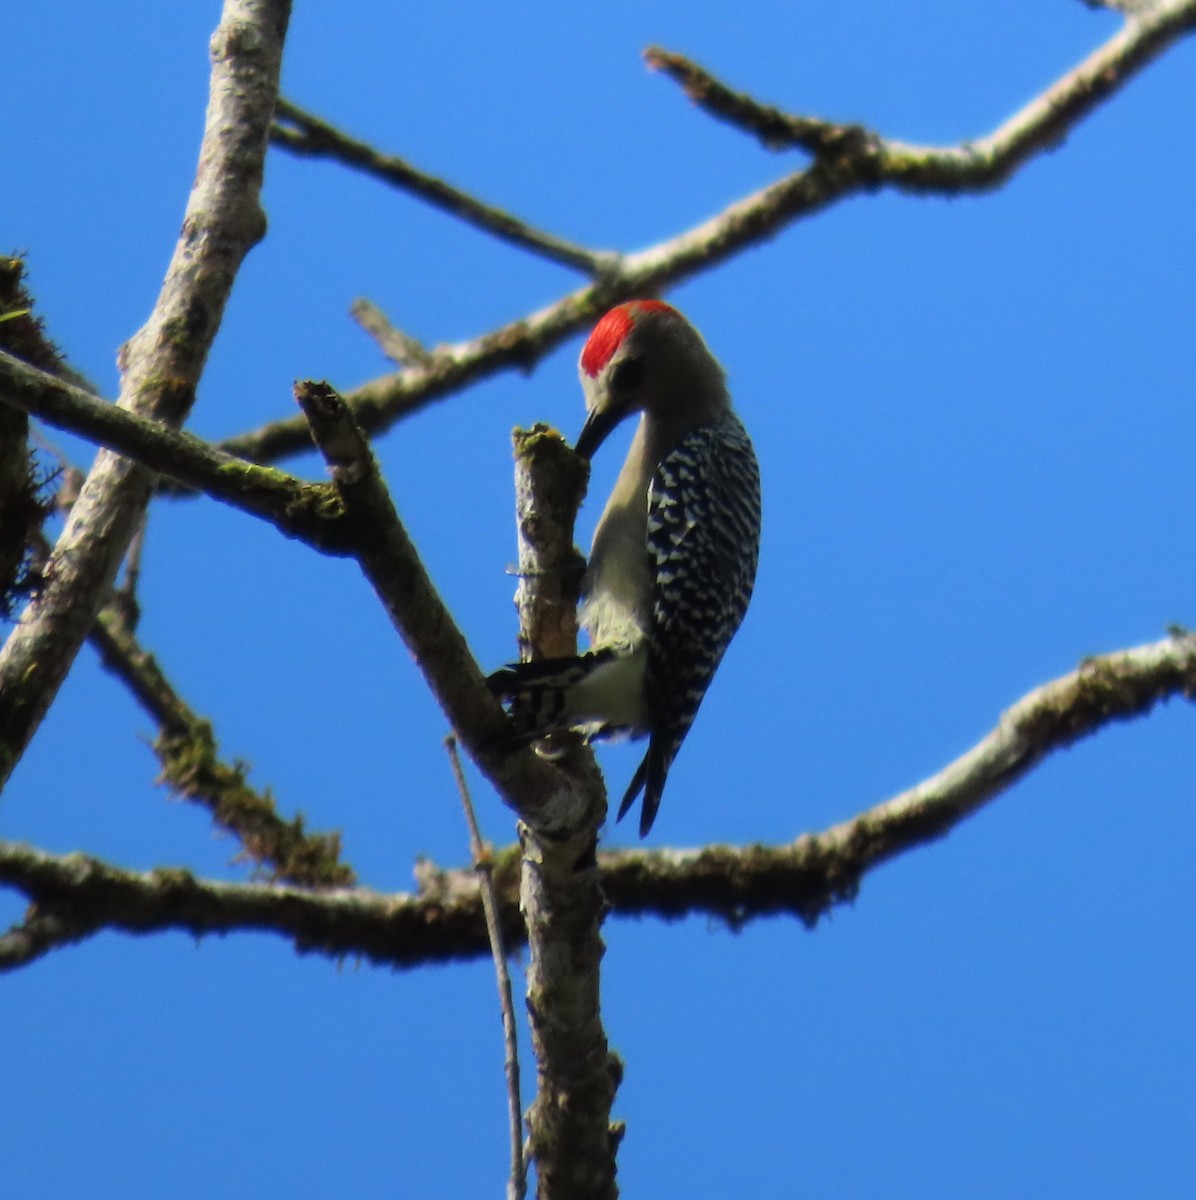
(703, 546)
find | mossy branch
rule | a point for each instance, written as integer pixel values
(193, 769)
(444, 921)
(308, 511)
(857, 157)
(23, 506)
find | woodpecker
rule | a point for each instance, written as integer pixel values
(674, 557)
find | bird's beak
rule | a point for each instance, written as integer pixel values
(595, 431)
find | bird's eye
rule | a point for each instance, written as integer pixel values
(628, 375)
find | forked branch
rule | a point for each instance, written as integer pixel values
(867, 157)
(377, 539)
(848, 160)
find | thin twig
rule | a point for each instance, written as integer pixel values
(776, 129)
(401, 348)
(483, 864)
(306, 135)
(126, 594)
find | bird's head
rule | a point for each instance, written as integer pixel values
(644, 356)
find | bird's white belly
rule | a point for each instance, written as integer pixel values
(612, 695)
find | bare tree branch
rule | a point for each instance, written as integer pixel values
(550, 484)
(307, 136)
(805, 878)
(973, 166)
(38, 934)
(571, 1136)
(75, 896)
(125, 595)
(401, 348)
(309, 511)
(775, 129)
(162, 364)
(537, 790)
(817, 871)
(186, 744)
(192, 769)
(561, 885)
(860, 162)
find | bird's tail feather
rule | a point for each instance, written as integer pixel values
(649, 777)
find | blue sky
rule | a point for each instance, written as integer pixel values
(974, 419)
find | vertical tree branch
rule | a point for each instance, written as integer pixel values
(563, 804)
(483, 865)
(162, 364)
(572, 1140)
(550, 483)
